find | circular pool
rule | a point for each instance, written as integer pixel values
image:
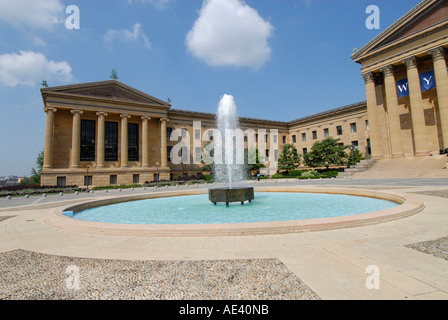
(275, 210)
(267, 207)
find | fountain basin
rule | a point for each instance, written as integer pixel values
(229, 195)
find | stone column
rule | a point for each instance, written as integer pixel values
(372, 105)
(441, 76)
(163, 144)
(101, 145)
(124, 140)
(49, 133)
(145, 146)
(76, 138)
(417, 113)
(392, 112)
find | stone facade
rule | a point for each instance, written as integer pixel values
(114, 102)
(384, 126)
(415, 124)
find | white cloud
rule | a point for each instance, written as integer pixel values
(35, 14)
(230, 33)
(29, 68)
(127, 36)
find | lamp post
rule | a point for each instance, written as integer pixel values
(87, 179)
(352, 149)
(157, 167)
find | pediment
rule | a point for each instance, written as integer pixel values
(109, 90)
(427, 14)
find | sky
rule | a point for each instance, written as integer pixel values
(280, 59)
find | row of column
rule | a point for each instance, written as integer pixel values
(416, 102)
(100, 159)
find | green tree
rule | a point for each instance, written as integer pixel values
(289, 158)
(357, 157)
(35, 173)
(326, 153)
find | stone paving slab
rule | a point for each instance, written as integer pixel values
(330, 263)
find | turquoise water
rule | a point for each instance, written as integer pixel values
(267, 207)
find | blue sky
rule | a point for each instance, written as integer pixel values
(280, 59)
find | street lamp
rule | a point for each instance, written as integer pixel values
(87, 179)
(157, 181)
(352, 149)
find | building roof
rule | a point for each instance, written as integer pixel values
(432, 12)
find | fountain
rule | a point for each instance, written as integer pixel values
(232, 170)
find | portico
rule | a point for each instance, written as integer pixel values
(406, 80)
(111, 128)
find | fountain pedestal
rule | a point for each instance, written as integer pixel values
(228, 195)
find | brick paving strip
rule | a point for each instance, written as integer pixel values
(437, 248)
(30, 275)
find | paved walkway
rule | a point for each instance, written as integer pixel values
(332, 263)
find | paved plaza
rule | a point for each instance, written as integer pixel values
(409, 254)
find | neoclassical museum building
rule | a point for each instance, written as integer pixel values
(108, 133)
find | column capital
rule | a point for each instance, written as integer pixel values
(144, 117)
(74, 111)
(100, 113)
(410, 63)
(368, 77)
(46, 109)
(124, 115)
(437, 53)
(164, 120)
(388, 70)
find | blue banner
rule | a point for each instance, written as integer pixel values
(427, 82)
(403, 88)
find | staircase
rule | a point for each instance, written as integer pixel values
(361, 166)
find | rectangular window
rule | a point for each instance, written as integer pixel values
(88, 140)
(267, 153)
(355, 144)
(284, 139)
(353, 128)
(155, 177)
(113, 179)
(197, 134)
(326, 133)
(169, 131)
(275, 155)
(168, 153)
(133, 148)
(339, 130)
(294, 140)
(245, 137)
(367, 125)
(304, 136)
(111, 141)
(185, 154)
(314, 135)
(136, 178)
(304, 150)
(266, 138)
(61, 181)
(369, 149)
